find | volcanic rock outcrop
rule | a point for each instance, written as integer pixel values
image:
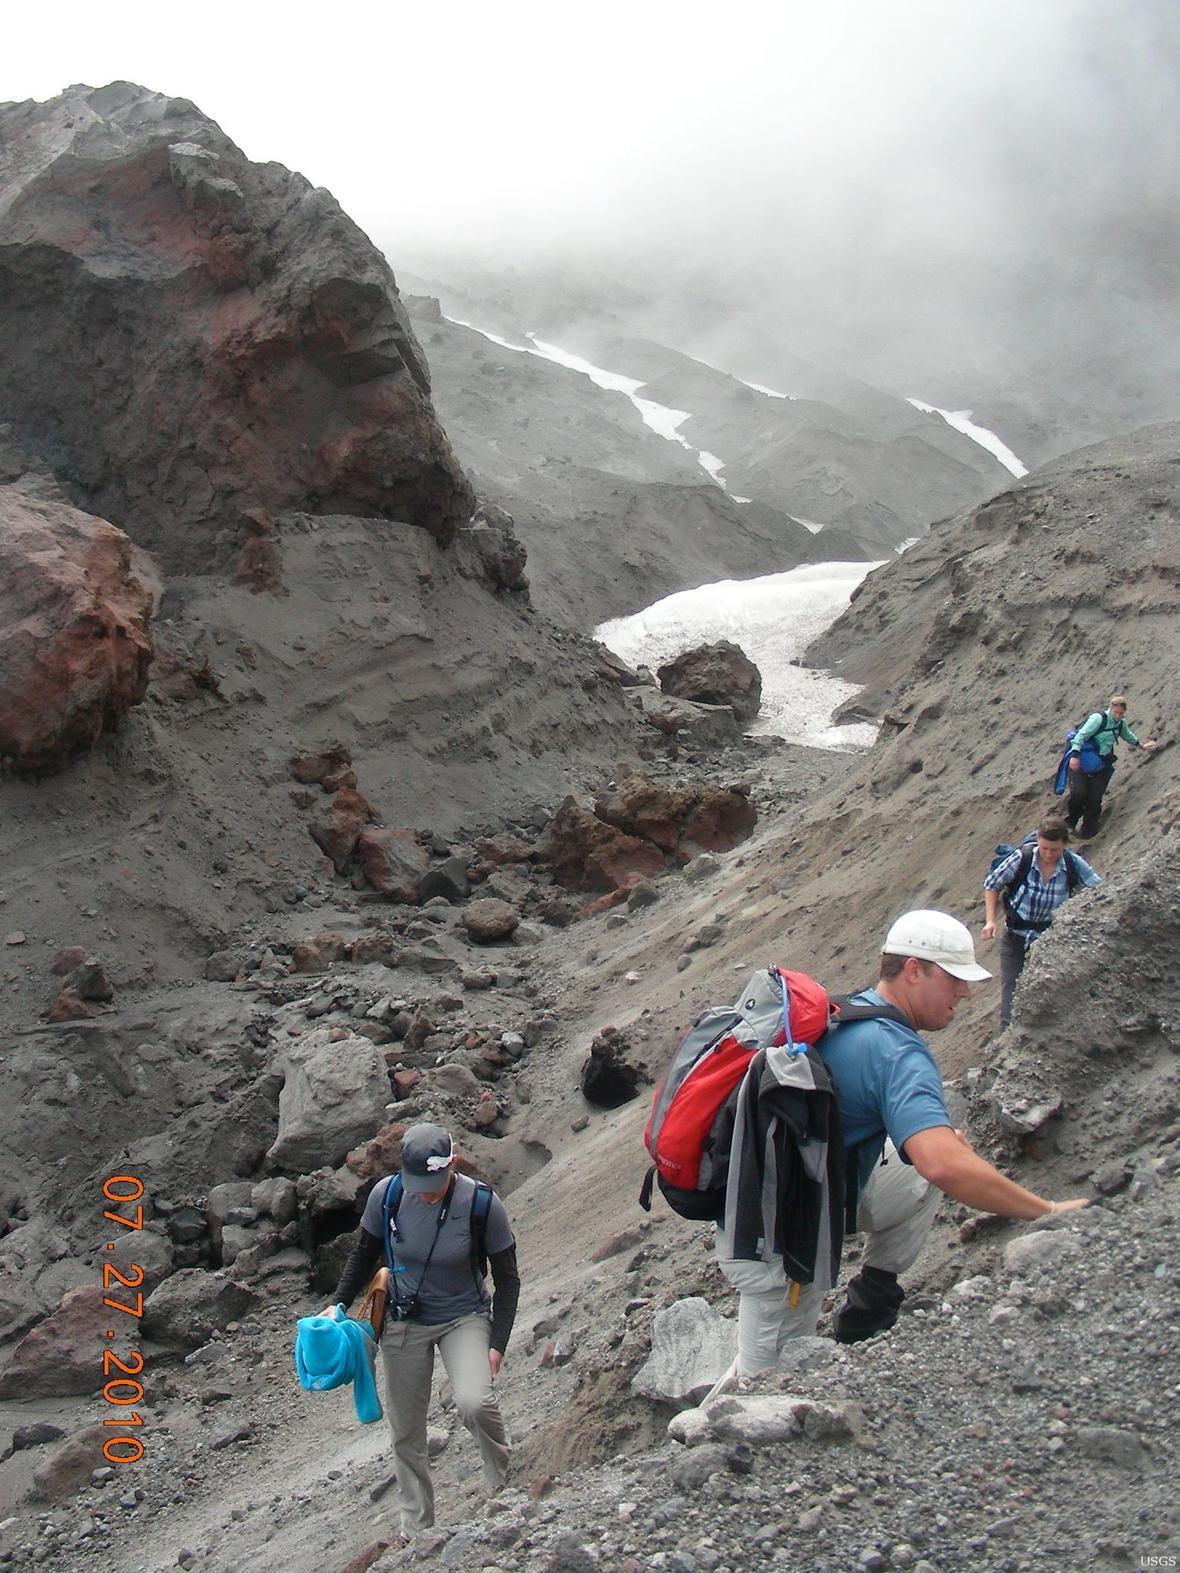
(637, 827)
(233, 341)
(715, 674)
(75, 642)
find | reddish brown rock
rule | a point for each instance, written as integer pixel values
(259, 564)
(318, 954)
(335, 780)
(504, 848)
(613, 898)
(490, 919)
(61, 1354)
(328, 762)
(584, 853)
(70, 1006)
(69, 1465)
(392, 863)
(338, 832)
(721, 818)
(66, 960)
(404, 1081)
(715, 674)
(372, 947)
(487, 1112)
(366, 1558)
(234, 341)
(380, 1156)
(75, 630)
(682, 820)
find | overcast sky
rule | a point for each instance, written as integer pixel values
(866, 148)
(532, 119)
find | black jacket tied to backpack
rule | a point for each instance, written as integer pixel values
(787, 1151)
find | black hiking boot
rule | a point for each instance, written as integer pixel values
(874, 1299)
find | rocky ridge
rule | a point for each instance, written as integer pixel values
(614, 516)
(832, 450)
(235, 344)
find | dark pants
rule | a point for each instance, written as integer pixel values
(1012, 954)
(1085, 798)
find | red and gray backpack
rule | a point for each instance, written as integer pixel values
(690, 1128)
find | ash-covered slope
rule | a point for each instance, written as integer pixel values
(983, 1421)
(614, 515)
(830, 449)
(1065, 583)
(858, 461)
(981, 645)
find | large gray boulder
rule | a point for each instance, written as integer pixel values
(691, 1349)
(704, 726)
(37, 1267)
(333, 1098)
(188, 1308)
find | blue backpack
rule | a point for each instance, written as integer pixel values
(1090, 760)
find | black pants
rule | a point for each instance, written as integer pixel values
(1085, 798)
(1012, 958)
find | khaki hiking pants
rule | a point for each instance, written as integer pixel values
(895, 1213)
(407, 1357)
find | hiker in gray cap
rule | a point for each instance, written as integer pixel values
(439, 1231)
(903, 1152)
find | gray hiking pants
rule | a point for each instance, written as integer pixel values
(407, 1356)
(895, 1214)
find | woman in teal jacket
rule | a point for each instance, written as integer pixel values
(1101, 731)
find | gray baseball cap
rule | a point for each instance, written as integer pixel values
(427, 1151)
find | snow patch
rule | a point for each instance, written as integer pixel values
(774, 618)
(759, 387)
(665, 422)
(962, 422)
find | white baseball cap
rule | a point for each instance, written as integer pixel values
(936, 937)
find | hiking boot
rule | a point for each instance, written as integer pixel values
(874, 1299)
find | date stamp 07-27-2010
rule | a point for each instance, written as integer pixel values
(122, 1363)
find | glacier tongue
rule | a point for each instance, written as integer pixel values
(773, 618)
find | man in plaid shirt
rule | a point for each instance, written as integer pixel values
(1032, 882)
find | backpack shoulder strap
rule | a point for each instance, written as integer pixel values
(1073, 874)
(390, 1203)
(846, 1009)
(1023, 869)
(481, 1206)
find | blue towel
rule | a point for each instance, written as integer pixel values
(331, 1351)
(1062, 778)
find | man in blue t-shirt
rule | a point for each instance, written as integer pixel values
(908, 1154)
